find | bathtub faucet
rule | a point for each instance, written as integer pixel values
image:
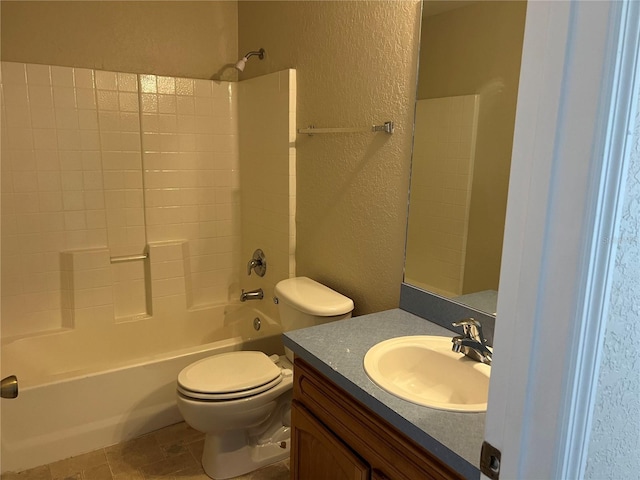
(251, 295)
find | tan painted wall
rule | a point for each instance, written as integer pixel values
(184, 39)
(477, 49)
(356, 65)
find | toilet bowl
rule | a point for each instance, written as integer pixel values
(242, 400)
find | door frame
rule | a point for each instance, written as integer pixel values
(576, 86)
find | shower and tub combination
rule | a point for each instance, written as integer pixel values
(70, 404)
(129, 212)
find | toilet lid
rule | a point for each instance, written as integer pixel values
(230, 374)
(232, 395)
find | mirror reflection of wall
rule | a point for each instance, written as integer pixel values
(467, 90)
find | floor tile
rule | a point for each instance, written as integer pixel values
(169, 466)
(193, 473)
(172, 453)
(101, 472)
(38, 473)
(129, 456)
(131, 475)
(277, 471)
(196, 449)
(68, 468)
(178, 434)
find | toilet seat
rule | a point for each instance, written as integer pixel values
(231, 395)
(229, 376)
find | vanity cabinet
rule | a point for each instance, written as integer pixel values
(335, 437)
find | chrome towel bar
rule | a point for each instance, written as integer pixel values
(129, 258)
(387, 127)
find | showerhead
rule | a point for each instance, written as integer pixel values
(243, 61)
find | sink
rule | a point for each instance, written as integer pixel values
(422, 369)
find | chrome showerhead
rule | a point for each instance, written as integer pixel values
(243, 61)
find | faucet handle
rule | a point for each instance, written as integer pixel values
(472, 328)
(251, 265)
(258, 263)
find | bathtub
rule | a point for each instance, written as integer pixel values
(79, 391)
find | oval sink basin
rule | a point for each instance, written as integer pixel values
(422, 369)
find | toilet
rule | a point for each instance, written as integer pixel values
(242, 400)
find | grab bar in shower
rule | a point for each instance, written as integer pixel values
(129, 258)
(386, 127)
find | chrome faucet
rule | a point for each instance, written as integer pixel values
(472, 343)
(251, 295)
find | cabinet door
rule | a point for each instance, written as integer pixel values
(378, 475)
(388, 452)
(317, 454)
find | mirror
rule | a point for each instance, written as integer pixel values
(470, 57)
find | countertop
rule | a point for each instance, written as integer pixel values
(337, 350)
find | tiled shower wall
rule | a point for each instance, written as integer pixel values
(119, 126)
(52, 193)
(95, 160)
(442, 169)
(191, 174)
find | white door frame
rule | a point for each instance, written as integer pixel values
(566, 178)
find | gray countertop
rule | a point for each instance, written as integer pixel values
(337, 350)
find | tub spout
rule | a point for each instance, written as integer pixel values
(251, 295)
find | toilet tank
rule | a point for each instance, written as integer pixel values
(303, 302)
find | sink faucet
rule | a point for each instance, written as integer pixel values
(472, 343)
(251, 295)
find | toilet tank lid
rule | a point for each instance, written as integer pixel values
(312, 298)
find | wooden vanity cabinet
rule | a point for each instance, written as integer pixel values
(335, 437)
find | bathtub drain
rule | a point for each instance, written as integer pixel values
(256, 323)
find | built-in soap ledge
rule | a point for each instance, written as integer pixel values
(96, 289)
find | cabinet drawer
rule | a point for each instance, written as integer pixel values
(389, 452)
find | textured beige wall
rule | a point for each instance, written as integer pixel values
(356, 65)
(477, 49)
(181, 38)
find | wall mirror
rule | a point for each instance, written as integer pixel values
(470, 57)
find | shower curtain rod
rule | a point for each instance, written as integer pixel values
(387, 127)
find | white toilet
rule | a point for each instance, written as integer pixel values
(242, 400)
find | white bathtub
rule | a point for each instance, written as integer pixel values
(79, 394)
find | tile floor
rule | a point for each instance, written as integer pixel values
(171, 453)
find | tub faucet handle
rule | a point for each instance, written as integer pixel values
(9, 387)
(258, 263)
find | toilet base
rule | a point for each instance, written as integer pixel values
(227, 456)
